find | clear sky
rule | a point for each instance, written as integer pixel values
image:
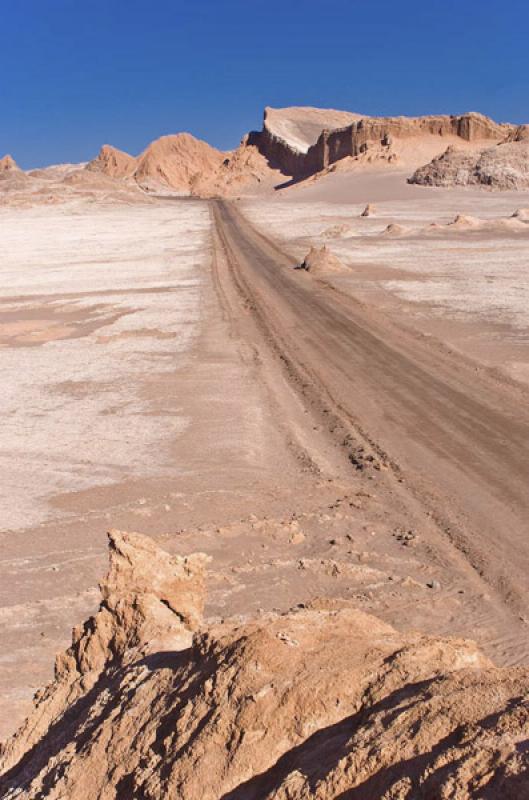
(78, 73)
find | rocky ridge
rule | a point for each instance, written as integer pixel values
(302, 142)
(321, 702)
(336, 143)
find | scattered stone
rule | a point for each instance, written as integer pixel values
(297, 537)
(368, 211)
(433, 584)
(321, 260)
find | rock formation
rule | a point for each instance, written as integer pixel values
(113, 162)
(8, 164)
(187, 165)
(242, 169)
(178, 162)
(12, 178)
(301, 126)
(368, 211)
(394, 229)
(300, 142)
(503, 167)
(290, 144)
(321, 702)
(321, 259)
(518, 134)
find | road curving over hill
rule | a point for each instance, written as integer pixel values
(418, 417)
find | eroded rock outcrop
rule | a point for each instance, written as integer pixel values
(178, 162)
(503, 167)
(321, 702)
(113, 162)
(11, 176)
(151, 601)
(294, 153)
(321, 260)
(368, 211)
(8, 164)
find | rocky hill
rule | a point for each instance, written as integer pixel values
(113, 162)
(322, 702)
(503, 167)
(179, 162)
(299, 142)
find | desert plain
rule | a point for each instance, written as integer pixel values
(352, 435)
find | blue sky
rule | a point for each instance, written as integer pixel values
(79, 73)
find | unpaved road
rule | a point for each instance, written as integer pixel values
(454, 436)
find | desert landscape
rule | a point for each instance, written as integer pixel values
(283, 388)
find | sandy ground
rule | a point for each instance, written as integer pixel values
(467, 288)
(142, 409)
(98, 306)
(91, 302)
(157, 398)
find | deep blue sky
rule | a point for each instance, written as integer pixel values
(78, 73)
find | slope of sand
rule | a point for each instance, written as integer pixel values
(324, 702)
(300, 126)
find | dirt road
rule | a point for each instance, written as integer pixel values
(451, 435)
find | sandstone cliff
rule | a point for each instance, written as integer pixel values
(294, 155)
(322, 702)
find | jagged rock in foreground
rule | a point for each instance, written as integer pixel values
(503, 167)
(321, 702)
